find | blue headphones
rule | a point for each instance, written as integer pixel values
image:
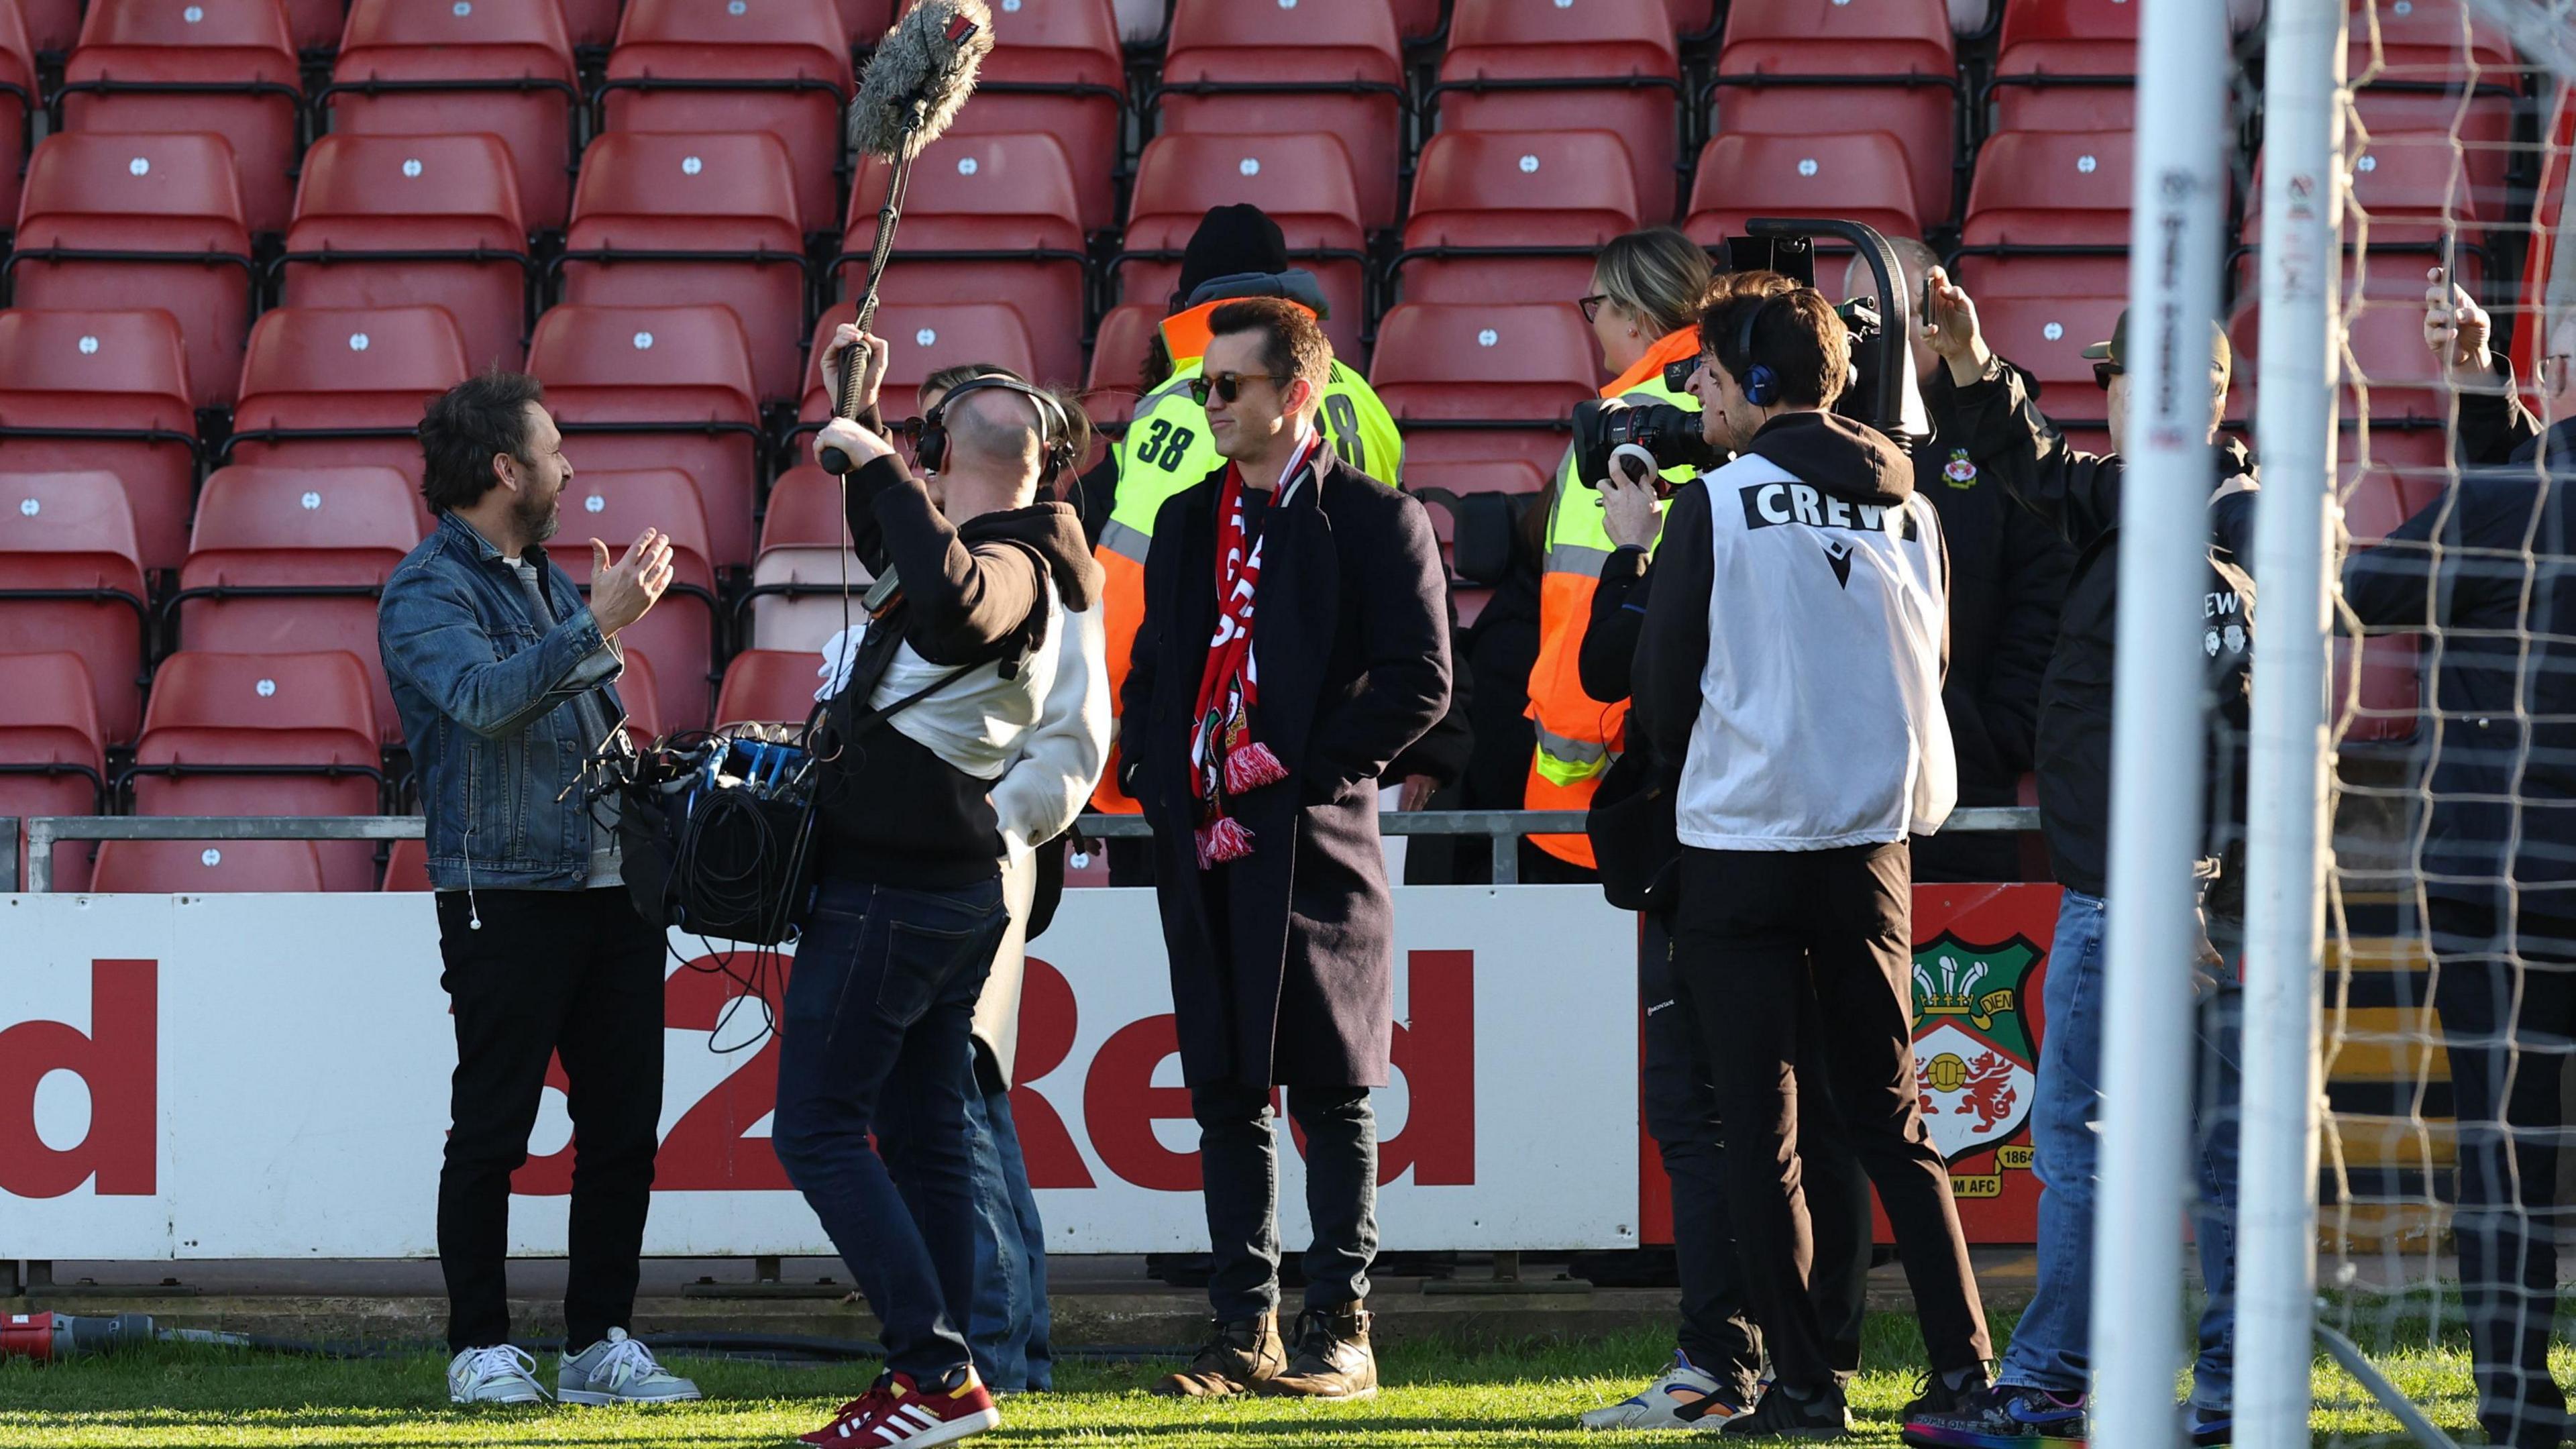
(1761, 384)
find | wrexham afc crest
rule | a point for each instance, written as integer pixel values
(1975, 1060)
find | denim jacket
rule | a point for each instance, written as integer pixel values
(486, 703)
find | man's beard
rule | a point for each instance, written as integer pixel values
(537, 522)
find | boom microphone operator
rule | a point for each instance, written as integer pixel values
(922, 74)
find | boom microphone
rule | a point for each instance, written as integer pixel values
(918, 81)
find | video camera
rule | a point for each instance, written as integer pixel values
(1882, 395)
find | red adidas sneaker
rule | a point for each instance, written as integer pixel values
(896, 1411)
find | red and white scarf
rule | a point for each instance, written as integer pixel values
(1225, 759)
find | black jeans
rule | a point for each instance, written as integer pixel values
(1758, 933)
(1239, 1175)
(1718, 1335)
(575, 973)
(880, 1011)
(2506, 992)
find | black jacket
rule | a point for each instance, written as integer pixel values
(2078, 494)
(2502, 727)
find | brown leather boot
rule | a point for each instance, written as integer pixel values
(1238, 1358)
(1333, 1359)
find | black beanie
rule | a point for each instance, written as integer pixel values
(1231, 240)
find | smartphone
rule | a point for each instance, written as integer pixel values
(1925, 312)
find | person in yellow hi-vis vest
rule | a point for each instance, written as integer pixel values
(1236, 252)
(1647, 287)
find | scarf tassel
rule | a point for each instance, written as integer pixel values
(1250, 766)
(1222, 840)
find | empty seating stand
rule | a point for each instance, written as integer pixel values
(53, 755)
(287, 559)
(701, 66)
(193, 867)
(341, 386)
(1612, 64)
(679, 633)
(987, 218)
(110, 218)
(52, 26)
(661, 219)
(795, 601)
(1513, 216)
(104, 391)
(1302, 181)
(2065, 65)
(2048, 216)
(264, 734)
(1793, 67)
(922, 339)
(1859, 176)
(1057, 70)
(402, 221)
(2430, 66)
(411, 68)
(660, 387)
(226, 66)
(1332, 66)
(18, 96)
(1116, 383)
(2046, 337)
(769, 686)
(1468, 381)
(70, 580)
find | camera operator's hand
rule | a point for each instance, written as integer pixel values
(861, 446)
(1950, 327)
(1632, 514)
(622, 594)
(871, 374)
(2456, 328)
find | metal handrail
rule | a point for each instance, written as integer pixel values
(1504, 826)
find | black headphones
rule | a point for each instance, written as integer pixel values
(1761, 384)
(1055, 430)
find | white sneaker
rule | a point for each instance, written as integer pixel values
(500, 1374)
(1684, 1398)
(619, 1370)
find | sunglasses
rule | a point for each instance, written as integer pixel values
(2103, 372)
(1591, 305)
(1227, 385)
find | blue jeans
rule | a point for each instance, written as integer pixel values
(879, 1010)
(1009, 1323)
(2048, 1349)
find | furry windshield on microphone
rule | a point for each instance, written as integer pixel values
(927, 62)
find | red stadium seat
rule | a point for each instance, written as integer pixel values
(924, 338)
(986, 218)
(2066, 65)
(408, 221)
(1332, 66)
(2382, 705)
(1858, 175)
(660, 219)
(264, 734)
(781, 66)
(639, 689)
(660, 387)
(1514, 66)
(192, 867)
(226, 66)
(2390, 377)
(2046, 337)
(53, 757)
(680, 632)
(1473, 381)
(1476, 475)
(407, 866)
(1303, 182)
(18, 94)
(1513, 216)
(1889, 66)
(69, 581)
(593, 23)
(2378, 496)
(1416, 20)
(1057, 70)
(105, 391)
(409, 68)
(1117, 379)
(108, 218)
(288, 559)
(336, 386)
(2412, 206)
(2048, 215)
(769, 686)
(52, 26)
(796, 583)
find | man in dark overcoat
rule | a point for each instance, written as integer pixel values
(1295, 641)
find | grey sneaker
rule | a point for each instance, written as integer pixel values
(619, 1370)
(500, 1374)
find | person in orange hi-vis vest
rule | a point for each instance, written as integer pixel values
(1647, 287)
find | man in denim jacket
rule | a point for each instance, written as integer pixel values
(503, 679)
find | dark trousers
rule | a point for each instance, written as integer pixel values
(570, 973)
(1239, 1173)
(1758, 933)
(1718, 1334)
(880, 1009)
(2505, 989)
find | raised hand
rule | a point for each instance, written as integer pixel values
(1950, 324)
(623, 593)
(872, 372)
(856, 443)
(2456, 328)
